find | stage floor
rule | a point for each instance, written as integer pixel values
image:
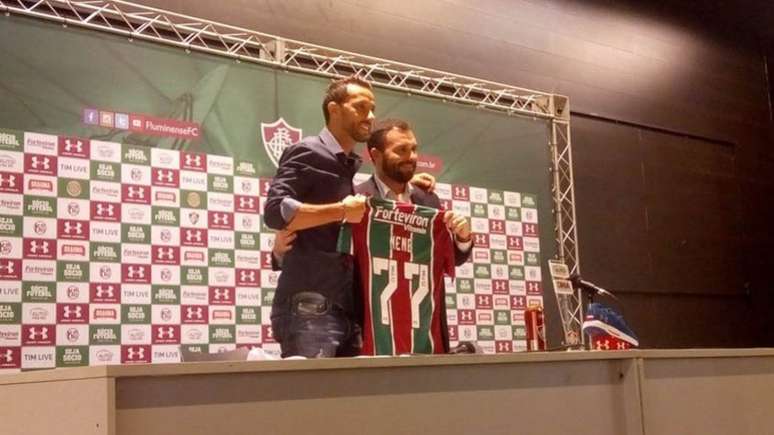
(644, 392)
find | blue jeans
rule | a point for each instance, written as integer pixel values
(315, 328)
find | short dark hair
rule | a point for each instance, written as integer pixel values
(380, 130)
(337, 92)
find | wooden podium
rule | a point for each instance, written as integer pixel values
(596, 393)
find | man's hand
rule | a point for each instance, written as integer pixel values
(354, 208)
(283, 242)
(423, 181)
(350, 209)
(458, 225)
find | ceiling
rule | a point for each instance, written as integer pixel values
(751, 17)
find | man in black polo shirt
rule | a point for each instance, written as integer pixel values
(311, 194)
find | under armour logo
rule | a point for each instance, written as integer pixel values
(165, 175)
(247, 275)
(165, 254)
(500, 285)
(503, 346)
(8, 268)
(8, 356)
(39, 247)
(533, 287)
(221, 293)
(529, 228)
(220, 219)
(480, 238)
(104, 291)
(103, 209)
(466, 315)
(40, 163)
(603, 345)
(193, 235)
(496, 225)
(483, 300)
(38, 334)
(135, 353)
(514, 242)
(70, 227)
(10, 181)
(165, 332)
(68, 311)
(246, 202)
(193, 160)
(71, 146)
(135, 272)
(191, 312)
(459, 191)
(135, 192)
(517, 301)
(620, 345)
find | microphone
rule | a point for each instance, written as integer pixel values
(466, 347)
(577, 281)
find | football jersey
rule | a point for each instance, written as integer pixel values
(402, 251)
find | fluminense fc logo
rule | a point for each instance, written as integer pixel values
(277, 136)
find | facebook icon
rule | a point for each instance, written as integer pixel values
(90, 116)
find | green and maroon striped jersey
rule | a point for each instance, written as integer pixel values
(402, 251)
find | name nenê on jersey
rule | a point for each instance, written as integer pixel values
(403, 244)
(413, 223)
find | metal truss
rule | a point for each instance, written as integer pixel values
(570, 306)
(141, 22)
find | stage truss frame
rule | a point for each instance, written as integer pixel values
(194, 34)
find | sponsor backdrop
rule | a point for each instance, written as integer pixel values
(132, 178)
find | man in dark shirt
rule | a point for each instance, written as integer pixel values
(311, 195)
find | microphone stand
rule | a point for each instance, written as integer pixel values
(592, 289)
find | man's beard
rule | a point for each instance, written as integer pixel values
(357, 134)
(400, 172)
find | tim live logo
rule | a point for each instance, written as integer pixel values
(141, 123)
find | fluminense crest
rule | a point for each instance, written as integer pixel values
(277, 136)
